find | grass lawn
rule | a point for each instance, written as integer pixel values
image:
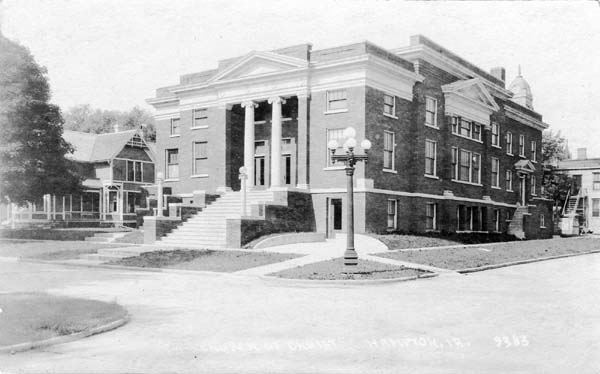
(209, 260)
(336, 270)
(36, 316)
(413, 241)
(48, 249)
(471, 257)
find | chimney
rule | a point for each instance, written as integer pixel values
(499, 72)
(581, 153)
(116, 126)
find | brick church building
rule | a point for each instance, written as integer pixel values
(452, 148)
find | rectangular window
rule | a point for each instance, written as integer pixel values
(522, 145)
(509, 180)
(476, 131)
(172, 158)
(467, 165)
(595, 207)
(533, 185)
(542, 221)
(389, 105)
(495, 172)
(388, 150)
(465, 128)
(200, 156)
(130, 171)
(336, 100)
(455, 125)
(476, 168)
(454, 170)
(200, 117)
(338, 135)
(392, 214)
(496, 218)
(596, 181)
(138, 171)
(174, 126)
(430, 157)
(533, 151)
(430, 111)
(496, 134)
(430, 216)
(509, 147)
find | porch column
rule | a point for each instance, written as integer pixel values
(249, 141)
(276, 141)
(303, 155)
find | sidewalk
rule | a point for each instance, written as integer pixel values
(331, 248)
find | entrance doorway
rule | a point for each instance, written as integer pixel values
(334, 216)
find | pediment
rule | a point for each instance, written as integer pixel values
(474, 91)
(525, 166)
(259, 63)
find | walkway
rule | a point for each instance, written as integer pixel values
(365, 246)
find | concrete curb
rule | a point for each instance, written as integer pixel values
(341, 282)
(65, 338)
(522, 262)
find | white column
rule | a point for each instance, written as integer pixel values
(276, 141)
(249, 140)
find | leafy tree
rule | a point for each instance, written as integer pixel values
(556, 185)
(32, 150)
(85, 118)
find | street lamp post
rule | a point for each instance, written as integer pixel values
(243, 177)
(159, 194)
(350, 159)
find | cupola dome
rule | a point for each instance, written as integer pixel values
(521, 91)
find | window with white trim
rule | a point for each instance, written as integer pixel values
(465, 128)
(533, 186)
(596, 181)
(430, 111)
(495, 172)
(389, 139)
(392, 214)
(466, 165)
(337, 100)
(200, 156)
(430, 157)
(174, 126)
(389, 105)
(172, 163)
(431, 216)
(522, 145)
(509, 144)
(595, 207)
(542, 221)
(533, 151)
(338, 135)
(509, 180)
(495, 134)
(496, 219)
(200, 117)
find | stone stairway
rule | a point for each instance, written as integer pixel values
(207, 229)
(516, 223)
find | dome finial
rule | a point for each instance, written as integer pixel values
(519, 70)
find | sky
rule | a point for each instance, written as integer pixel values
(113, 54)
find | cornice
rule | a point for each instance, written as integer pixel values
(525, 118)
(428, 54)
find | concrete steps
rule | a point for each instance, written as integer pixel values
(207, 228)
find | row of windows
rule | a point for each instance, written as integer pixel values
(468, 218)
(199, 160)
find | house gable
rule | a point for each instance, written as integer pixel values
(470, 99)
